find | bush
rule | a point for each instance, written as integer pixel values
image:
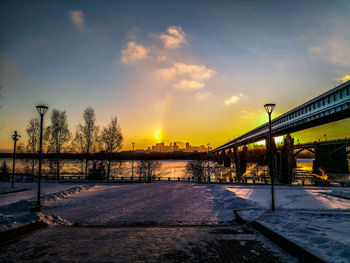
(97, 173)
(147, 169)
(4, 172)
(196, 169)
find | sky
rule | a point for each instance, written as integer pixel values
(196, 71)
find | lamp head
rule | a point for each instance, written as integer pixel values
(269, 107)
(41, 109)
(133, 144)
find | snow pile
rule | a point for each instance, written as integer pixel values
(54, 197)
(323, 233)
(17, 214)
(11, 221)
(53, 220)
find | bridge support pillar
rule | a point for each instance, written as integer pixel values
(218, 158)
(240, 159)
(285, 162)
(331, 158)
(227, 159)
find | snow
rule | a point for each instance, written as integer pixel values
(156, 203)
(15, 214)
(31, 192)
(292, 197)
(312, 217)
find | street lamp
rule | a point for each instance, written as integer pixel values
(269, 108)
(42, 110)
(15, 139)
(132, 163)
(208, 163)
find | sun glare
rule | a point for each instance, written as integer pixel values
(158, 135)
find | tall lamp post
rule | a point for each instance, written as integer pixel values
(269, 108)
(132, 163)
(42, 110)
(15, 139)
(208, 163)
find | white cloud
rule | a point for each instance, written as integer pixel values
(174, 37)
(77, 18)
(203, 95)
(133, 52)
(195, 72)
(189, 84)
(186, 76)
(343, 79)
(233, 99)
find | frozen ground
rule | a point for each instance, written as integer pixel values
(162, 211)
(312, 217)
(30, 192)
(158, 222)
(15, 207)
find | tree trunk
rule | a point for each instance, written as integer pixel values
(33, 164)
(86, 167)
(109, 166)
(58, 169)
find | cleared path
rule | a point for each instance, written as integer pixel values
(160, 222)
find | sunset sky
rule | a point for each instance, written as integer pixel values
(195, 71)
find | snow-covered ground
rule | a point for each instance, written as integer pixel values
(30, 192)
(309, 216)
(312, 217)
(15, 207)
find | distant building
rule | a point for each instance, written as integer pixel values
(173, 147)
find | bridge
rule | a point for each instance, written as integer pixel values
(328, 107)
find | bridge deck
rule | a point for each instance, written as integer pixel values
(330, 106)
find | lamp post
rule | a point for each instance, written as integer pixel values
(208, 163)
(42, 110)
(15, 139)
(269, 108)
(132, 163)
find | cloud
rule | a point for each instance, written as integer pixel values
(174, 37)
(233, 99)
(194, 72)
(203, 95)
(77, 18)
(334, 50)
(133, 52)
(189, 84)
(343, 79)
(186, 76)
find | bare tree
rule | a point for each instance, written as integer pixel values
(196, 169)
(217, 170)
(147, 169)
(89, 132)
(57, 136)
(111, 139)
(33, 132)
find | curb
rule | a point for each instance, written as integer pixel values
(12, 235)
(284, 243)
(338, 196)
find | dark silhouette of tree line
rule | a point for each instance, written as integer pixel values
(58, 141)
